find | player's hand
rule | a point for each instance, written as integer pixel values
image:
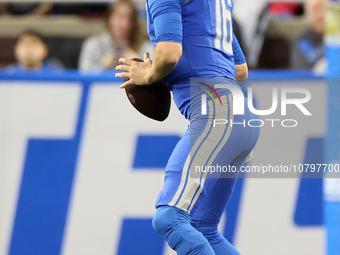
(135, 71)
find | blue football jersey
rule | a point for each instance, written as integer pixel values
(207, 38)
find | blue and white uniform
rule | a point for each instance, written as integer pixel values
(204, 28)
(190, 205)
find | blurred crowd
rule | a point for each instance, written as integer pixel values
(125, 36)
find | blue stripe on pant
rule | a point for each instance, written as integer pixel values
(202, 195)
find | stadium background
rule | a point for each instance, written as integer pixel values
(80, 169)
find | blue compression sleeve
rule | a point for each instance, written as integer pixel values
(173, 225)
(238, 53)
(167, 19)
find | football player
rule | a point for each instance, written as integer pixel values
(195, 39)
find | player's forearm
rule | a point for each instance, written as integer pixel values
(241, 72)
(166, 57)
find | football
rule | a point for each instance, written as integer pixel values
(152, 100)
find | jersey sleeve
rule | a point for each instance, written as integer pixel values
(167, 20)
(238, 53)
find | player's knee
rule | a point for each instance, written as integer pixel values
(159, 223)
(174, 226)
(163, 220)
(166, 223)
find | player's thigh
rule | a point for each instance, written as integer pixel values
(173, 170)
(181, 182)
(177, 171)
(219, 186)
(211, 207)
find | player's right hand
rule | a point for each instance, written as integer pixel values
(136, 72)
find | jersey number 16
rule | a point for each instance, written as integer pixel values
(224, 28)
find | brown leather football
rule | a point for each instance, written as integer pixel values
(152, 100)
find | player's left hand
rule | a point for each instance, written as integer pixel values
(135, 71)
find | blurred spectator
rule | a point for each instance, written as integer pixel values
(285, 9)
(26, 8)
(31, 51)
(124, 38)
(255, 17)
(250, 15)
(238, 33)
(308, 50)
(274, 54)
